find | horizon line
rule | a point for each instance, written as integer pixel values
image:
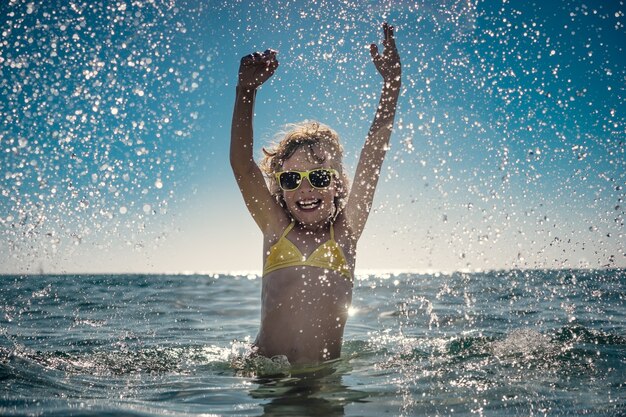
(252, 274)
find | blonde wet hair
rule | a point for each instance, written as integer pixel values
(321, 141)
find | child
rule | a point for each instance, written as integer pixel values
(310, 221)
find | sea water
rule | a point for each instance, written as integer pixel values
(516, 343)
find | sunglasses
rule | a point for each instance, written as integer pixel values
(318, 178)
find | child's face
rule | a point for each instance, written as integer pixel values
(311, 207)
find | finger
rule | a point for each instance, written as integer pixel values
(392, 37)
(268, 56)
(271, 67)
(374, 52)
(257, 57)
(269, 62)
(386, 40)
(247, 60)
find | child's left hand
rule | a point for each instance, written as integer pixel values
(388, 64)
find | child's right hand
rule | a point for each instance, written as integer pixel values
(257, 68)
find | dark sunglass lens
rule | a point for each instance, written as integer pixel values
(320, 178)
(289, 180)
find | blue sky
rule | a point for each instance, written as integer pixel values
(115, 125)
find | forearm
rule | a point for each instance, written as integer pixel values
(381, 128)
(241, 141)
(377, 141)
(371, 160)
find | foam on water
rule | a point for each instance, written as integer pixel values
(118, 344)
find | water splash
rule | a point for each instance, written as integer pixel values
(93, 105)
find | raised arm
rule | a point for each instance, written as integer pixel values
(377, 142)
(254, 70)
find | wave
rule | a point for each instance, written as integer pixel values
(155, 360)
(567, 346)
(569, 349)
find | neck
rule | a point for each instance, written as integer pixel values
(314, 227)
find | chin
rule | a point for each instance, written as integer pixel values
(312, 220)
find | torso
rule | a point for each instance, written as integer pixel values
(304, 308)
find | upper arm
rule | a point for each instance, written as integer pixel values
(263, 207)
(366, 179)
(371, 160)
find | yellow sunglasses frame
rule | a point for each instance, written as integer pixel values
(303, 175)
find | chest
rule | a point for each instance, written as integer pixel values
(308, 248)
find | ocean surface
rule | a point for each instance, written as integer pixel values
(508, 343)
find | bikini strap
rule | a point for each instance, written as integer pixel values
(332, 232)
(288, 229)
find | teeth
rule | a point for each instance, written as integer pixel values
(308, 204)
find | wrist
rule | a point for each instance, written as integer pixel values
(245, 94)
(395, 79)
(392, 86)
(249, 89)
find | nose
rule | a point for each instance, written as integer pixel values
(305, 185)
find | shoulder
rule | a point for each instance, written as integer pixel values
(276, 227)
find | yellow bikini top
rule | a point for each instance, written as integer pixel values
(328, 255)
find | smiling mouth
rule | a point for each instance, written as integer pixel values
(311, 204)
